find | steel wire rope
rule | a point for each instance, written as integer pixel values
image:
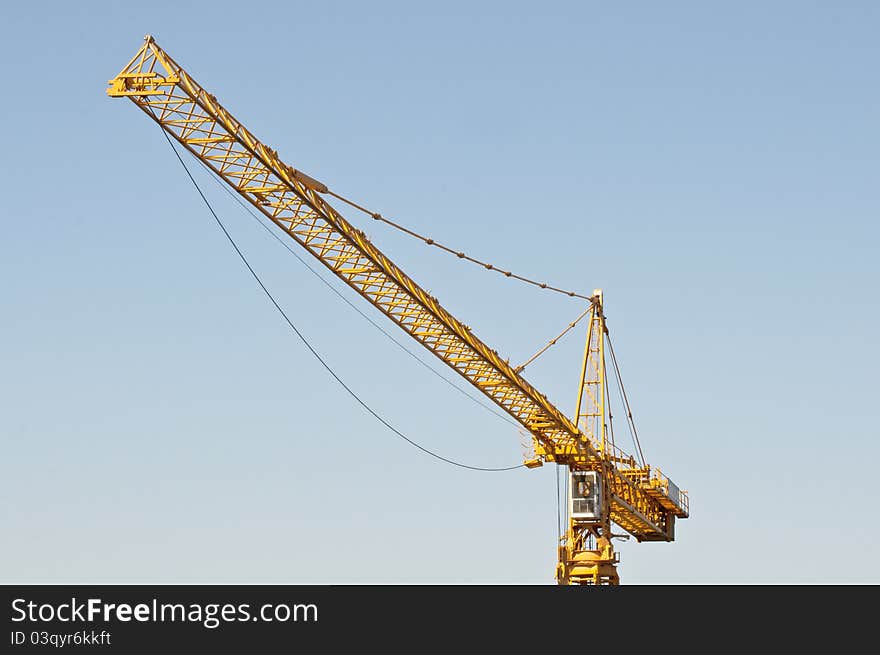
(614, 449)
(558, 510)
(458, 253)
(308, 345)
(629, 416)
(338, 293)
(555, 339)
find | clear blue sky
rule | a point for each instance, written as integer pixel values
(712, 166)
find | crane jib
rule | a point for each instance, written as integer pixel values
(640, 500)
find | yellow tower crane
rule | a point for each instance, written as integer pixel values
(606, 486)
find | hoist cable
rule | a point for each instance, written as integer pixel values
(558, 521)
(305, 341)
(237, 198)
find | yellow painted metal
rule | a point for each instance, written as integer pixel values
(292, 200)
(586, 554)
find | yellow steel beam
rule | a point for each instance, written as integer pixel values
(154, 82)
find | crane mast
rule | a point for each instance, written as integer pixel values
(637, 498)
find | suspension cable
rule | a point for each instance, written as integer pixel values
(253, 214)
(553, 341)
(308, 345)
(608, 407)
(629, 416)
(461, 255)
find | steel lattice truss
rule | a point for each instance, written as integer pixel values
(292, 200)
